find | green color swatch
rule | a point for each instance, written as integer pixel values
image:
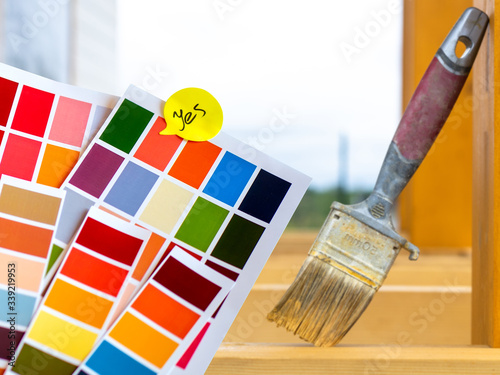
(201, 224)
(54, 255)
(126, 126)
(34, 361)
(238, 241)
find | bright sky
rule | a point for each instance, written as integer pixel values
(290, 75)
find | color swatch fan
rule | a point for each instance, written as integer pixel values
(221, 201)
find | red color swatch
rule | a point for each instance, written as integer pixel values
(222, 270)
(19, 157)
(157, 150)
(109, 242)
(194, 162)
(7, 93)
(170, 247)
(186, 283)
(94, 272)
(33, 110)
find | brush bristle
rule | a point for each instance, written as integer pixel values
(322, 303)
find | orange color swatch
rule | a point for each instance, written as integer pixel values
(194, 162)
(165, 311)
(143, 340)
(150, 251)
(157, 150)
(56, 164)
(25, 238)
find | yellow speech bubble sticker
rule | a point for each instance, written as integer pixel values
(193, 114)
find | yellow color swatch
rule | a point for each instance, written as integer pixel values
(166, 206)
(62, 336)
(143, 340)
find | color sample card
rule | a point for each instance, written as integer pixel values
(44, 125)
(29, 214)
(162, 320)
(82, 298)
(222, 201)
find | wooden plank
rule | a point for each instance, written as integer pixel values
(296, 242)
(486, 189)
(436, 208)
(397, 359)
(429, 315)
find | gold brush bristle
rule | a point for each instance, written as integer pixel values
(322, 303)
(346, 265)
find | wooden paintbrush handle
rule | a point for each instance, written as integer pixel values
(431, 104)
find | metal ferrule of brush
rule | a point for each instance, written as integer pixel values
(355, 248)
(360, 240)
(365, 243)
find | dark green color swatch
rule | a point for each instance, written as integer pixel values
(126, 126)
(238, 241)
(201, 224)
(34, 361)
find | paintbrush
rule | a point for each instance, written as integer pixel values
(357, 245)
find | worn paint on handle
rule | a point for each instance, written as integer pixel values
(428, 110)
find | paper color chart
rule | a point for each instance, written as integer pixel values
(223, 201)
(163, 318)
(81, 299)
(28, 216)
(44, 125)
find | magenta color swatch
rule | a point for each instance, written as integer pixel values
(96, 170)
(188, 354)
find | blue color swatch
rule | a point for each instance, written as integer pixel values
(24, 307)
(229, 179)
(131, 188)
(107, 359)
